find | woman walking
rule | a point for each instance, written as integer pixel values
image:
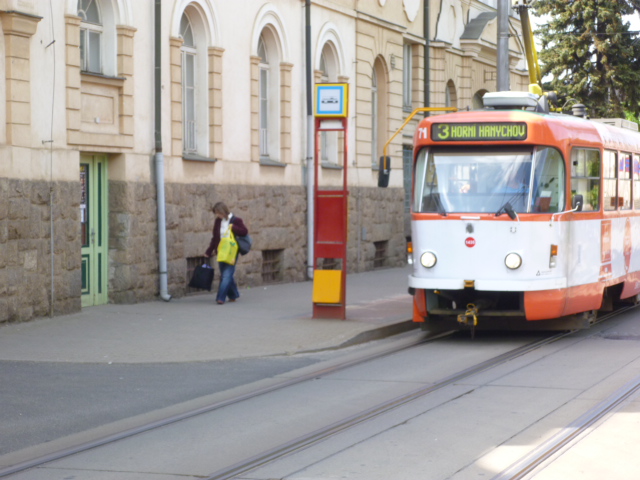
(225, 223)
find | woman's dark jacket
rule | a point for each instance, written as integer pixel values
(237, 227)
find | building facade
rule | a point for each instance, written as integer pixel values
(92, 157)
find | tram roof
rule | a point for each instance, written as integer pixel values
(562, 127)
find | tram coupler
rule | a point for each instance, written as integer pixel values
(470, 317)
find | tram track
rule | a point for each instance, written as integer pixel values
(319, 435)
(570, 435)
(171, 419)
(315, 436)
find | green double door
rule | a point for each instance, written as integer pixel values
(94, 229)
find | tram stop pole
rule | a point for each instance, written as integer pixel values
(331, 208)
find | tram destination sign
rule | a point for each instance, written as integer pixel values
(478, 132)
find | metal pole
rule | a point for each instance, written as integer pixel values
(310, 145)
(503, 46)
(427, 61)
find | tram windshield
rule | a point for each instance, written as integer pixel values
(489, 180)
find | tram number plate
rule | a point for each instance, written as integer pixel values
(478, 132)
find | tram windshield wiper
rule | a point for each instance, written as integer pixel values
(439, 205)
(508, 205)
(508, 209)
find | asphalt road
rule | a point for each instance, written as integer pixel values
(45, 401)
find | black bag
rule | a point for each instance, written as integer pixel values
(244, 244)
(202, 277)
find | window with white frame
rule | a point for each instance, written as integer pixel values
(379, 110)
(407, 75)
(269, 95)
(450, 96)
(264, 99)
(374, 118)
(91, 33)
(189, 57)
(476, 102)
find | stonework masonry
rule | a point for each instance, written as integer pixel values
(276, 217)
(25, 249)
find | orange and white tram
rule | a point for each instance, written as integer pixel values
(522, 218)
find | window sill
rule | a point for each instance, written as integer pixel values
(331, 166)
(98, 78)
(267, 162)
(193, 157)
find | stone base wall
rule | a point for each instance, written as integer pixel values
(375, 215)
(133, 242)
(276, 217)
(25, 249)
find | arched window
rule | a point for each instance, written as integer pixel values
(195, 79)
(189, 63)
(477, 102)
(450, 95)
(98, 37)
(91, 31)
(269, 90)
(407, 78)
(374, 118)
(264, 99)
(379, 113)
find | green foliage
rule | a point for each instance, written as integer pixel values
(590, 54)
(594, 196)
(633, 117)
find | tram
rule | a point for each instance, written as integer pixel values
(522, 218)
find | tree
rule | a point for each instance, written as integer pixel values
(590, 54)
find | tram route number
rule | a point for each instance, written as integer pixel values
(474, 132)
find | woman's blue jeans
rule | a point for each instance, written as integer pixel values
(228, 285)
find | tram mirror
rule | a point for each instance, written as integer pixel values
(577, 202)
(384, 171)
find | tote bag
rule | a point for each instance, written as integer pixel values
(202, 277)
(228, 248)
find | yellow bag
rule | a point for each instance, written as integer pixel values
(228, 248)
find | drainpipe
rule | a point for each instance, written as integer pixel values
(427, 60)
(310, 145)
(159, 159)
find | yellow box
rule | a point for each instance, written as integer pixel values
(327, 286)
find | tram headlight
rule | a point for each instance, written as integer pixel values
(428, 259)
(513, 261)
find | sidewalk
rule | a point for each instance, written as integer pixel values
(267, 320)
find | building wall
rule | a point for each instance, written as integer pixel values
(53, 114)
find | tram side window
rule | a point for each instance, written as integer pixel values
(624, 181)
(636, 182)
(609, 168)
(548, 182)
(585, 177)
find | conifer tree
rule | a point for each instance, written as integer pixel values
(590, 54)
